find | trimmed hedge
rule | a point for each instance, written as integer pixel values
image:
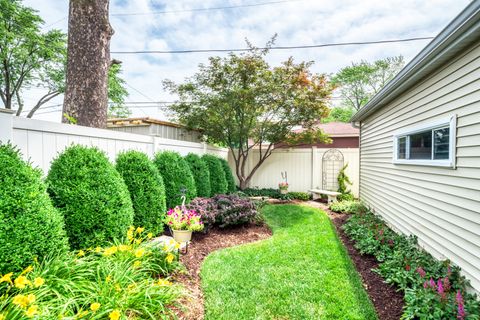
(91, 195)
(231, 187)
(177, 177)
(298, 195)
(218, 182)
(200, 173)
(146, 188)
(30, 227)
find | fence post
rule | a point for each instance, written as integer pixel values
(204, 147)
(314, 167)
(6, 125)
(155, 148)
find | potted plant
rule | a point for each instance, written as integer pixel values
(283, 186)
(183, 222)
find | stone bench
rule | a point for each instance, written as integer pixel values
(332, 195)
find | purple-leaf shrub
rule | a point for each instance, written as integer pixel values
(234, 210)
(224, 210)
(207, 209)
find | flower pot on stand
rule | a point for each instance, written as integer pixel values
(283, 191)
(182, 236)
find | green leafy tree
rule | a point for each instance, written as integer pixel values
(243, 103)
(339, 114)
(145, 185)
(31, 58)
(117, 92)
(360, 81)
(30, 227)
(201, 174)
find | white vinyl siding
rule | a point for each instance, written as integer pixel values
(441, 205)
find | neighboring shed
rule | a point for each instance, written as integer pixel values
(420, 146)
(154, 127)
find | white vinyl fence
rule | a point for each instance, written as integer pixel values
(303, 166)
(41, 141)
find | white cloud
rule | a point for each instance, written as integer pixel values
(297, 23)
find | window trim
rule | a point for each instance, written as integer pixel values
(450, 122)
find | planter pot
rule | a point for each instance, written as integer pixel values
(182, 236)
(283, 191)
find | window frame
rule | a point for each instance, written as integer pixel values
(450, 122)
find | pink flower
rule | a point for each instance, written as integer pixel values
(459, 298)
(432, 283)
(440, 289)
(421, 272)
(461, 312)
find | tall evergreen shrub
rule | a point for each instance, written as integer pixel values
(30, 227)
(177, 177)
(231, 187)
(91, 195)
(145, 185)
(200, 173)
(218, 182)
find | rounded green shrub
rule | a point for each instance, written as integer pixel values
(146, 188)
(231, 187)
(218, 182)
(200, 173)
(177, 177)
(30, 227)
(91, 195)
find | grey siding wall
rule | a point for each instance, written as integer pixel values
(439, 205)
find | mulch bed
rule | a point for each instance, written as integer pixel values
(201, 246)
(387, 300)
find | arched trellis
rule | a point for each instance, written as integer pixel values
(332, 163)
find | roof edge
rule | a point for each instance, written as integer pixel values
(460, 30)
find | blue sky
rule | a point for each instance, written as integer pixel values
(297, 22)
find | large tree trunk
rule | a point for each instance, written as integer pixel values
(88, 60)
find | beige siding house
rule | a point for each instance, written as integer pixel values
(420, 146)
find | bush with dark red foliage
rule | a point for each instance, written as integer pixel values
(207, 209)
(225, 210)
(234, 210)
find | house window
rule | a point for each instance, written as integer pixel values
(432, 144)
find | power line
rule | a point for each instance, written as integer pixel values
(203, 9)
(120, 14)
(338, 44)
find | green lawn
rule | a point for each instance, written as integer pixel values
(302, 272)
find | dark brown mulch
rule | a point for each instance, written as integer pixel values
(387, 300)
(201, 246)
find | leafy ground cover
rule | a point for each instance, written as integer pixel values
(302, 272)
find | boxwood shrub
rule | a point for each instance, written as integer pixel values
(231, 187)
(200, 173)
(218, 181)
(146, 188)
(30, 227)
(91, 195)
(177, 177)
